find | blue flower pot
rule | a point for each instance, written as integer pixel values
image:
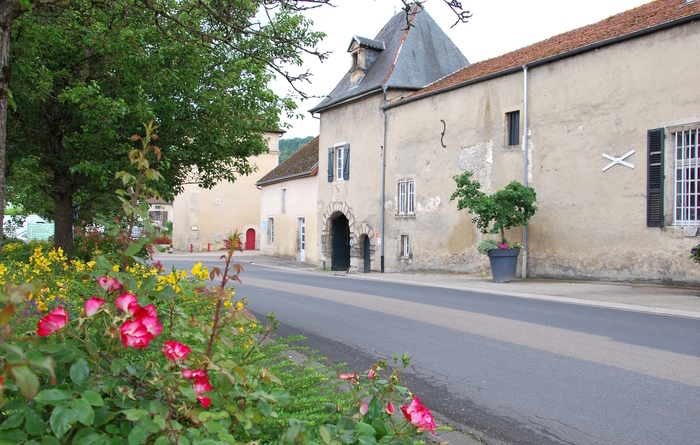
(504, 263)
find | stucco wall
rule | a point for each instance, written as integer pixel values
(301, 203)
(590, 223)
(207, 217)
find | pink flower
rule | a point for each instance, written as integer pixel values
(389, 408)
(109, 284)
(127, 303)
(152, 325)
(197, 373)
(371, 374)
(352, 378)
(146, 311)
(56, 319)
(176, 351)
(93, 305)
(134, 333)
(364, 408)
(202, 385)
(419, 416)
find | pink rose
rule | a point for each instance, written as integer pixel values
(176, 351)
(56, 319)
(152, 325)
(419, 416)
(352, 378)
(93, 305)
(364, 408)
(109, 284)
(371, 374)
(389, 408)
(197, 373)
(146, 311)
(135, 334)
(202, 385)
(127, 303)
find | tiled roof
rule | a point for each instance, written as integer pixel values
(411, 59)
(304, 162)
(634, 20)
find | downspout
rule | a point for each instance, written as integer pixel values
(525, 144)
(381, 239)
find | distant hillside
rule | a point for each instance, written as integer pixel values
(290, 146)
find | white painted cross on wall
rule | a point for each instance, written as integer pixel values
(619, 160)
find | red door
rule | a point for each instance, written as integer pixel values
(250, 239)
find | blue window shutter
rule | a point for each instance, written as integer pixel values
(330, 164)
(346, 162)
(655, 178)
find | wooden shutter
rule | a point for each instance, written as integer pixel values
(655, 178)
(346, 162)
(330, 164)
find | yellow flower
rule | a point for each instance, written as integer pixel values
(239, 305)
(241, 328)
(91, 264)
(184, 274)
(115, 268)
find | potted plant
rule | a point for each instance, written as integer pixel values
(510, 207)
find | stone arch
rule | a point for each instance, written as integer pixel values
(332, 211)
(255, 228)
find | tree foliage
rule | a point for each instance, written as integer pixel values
(510, 207)
(290, 146)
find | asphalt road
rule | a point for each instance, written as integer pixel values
(513, 370)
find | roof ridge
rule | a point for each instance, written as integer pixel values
(398, 50)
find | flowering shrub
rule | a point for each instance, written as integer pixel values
(124, 357)
(489, 244)
(695, 253)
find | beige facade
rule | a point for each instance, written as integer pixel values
(204, 218)
(288, 211)
(591, 223)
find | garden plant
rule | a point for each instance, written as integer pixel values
(112, 349)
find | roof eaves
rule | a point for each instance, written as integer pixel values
(350, 98)
(546, 60)
(310, 172)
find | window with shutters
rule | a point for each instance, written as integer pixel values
(513, 128)
(686, 177)
(655, 176)
(339, 162)
(406, 197)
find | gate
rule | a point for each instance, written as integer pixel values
(366, 254)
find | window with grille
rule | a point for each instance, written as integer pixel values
(271, 231)
(687, 178)
(513, 130)
(404, 246)
(406, 197)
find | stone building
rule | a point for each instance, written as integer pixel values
(288, 206)
(397, 62)
(204, 218)
(602, 121)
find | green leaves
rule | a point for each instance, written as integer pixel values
(53, 396)
(79, 372)
(62, 419)
(26, 380)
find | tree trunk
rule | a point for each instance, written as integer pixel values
(9, 11)
(63, 233)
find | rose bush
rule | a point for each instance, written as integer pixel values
(124, 356)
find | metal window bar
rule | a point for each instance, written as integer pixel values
(409, 200)
(687, 178)
(402, 197)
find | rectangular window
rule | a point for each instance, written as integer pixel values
(270, 231)
(284, 200)
(513, 130)
(406, 197)
(687, 178)
(404, 246)
(341, 161)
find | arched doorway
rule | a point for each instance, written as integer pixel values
(340, 243)
(250, 239)
(366, 254)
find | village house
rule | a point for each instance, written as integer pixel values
(602, 121)
(288, 209)
(397, 62)
(204, 218)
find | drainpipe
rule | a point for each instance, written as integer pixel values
(383, 175)
(525, 142)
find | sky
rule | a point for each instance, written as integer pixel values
(496, 27)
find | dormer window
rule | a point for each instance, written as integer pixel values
(363, 52)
